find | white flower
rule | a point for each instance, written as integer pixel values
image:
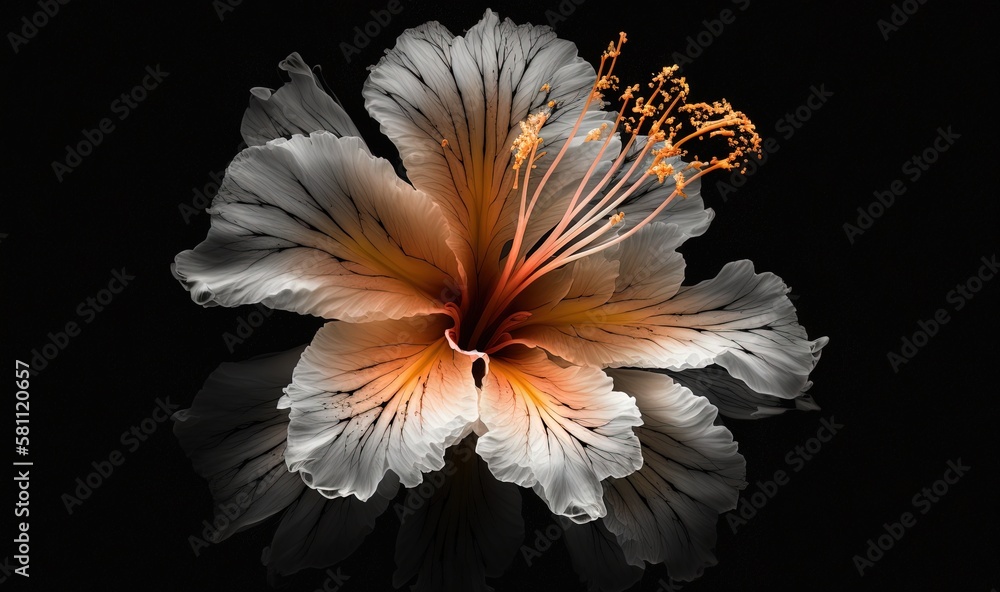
(521, 286)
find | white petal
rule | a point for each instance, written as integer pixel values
(569, 294)
(745, 323)
(317, 226)
(235, 437)
(473, 91)
(371, 397)
(643, 271)
(298, 107)
(739, 320)
(667, 511)
(559, 429)
(734, 398)
(316, 532)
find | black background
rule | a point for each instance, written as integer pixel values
(120, 208)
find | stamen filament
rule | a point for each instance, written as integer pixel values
(556, 241)
(603, 80)
(572, 253)
(575, 236)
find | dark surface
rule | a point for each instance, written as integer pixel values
(120, 207)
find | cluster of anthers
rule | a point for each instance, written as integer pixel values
(583, 229)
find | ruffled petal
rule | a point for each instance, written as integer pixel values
(298, 107)
(452, 106)
(317, 226)
(372, 397)
(235, 437)
(740, 320)
(744, 322)
(559, 429)
(734, 398)
(667, 511)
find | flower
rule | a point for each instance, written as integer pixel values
(524, 285)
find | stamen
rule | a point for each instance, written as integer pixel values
(662, 170)
(519, 149)
(657, 113)
(527, 141)
(595, 134)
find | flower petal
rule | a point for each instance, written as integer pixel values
(317, 226)
(371, 397)
(559, 429)
(734, 398)
(316, 532)
(588, 293)
(473, 91)
(569, 294)
(745, 323)
(298, 107)
(466, 529)
(739, 320)
(598, 558)
(668, 510)
(235, 437)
